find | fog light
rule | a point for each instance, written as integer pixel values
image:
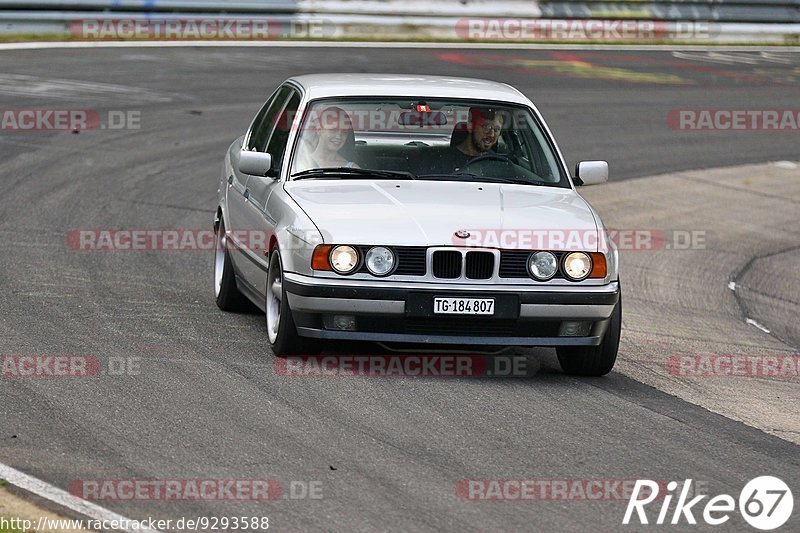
(574, 329)
(340, 322)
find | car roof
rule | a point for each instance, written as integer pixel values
(338, 85)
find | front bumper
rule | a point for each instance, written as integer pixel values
(403, 312)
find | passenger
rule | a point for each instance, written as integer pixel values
(334, 132)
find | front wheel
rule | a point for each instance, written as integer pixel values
(226, 293)
(594, 360)
(281, 330)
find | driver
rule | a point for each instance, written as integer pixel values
(483, 131)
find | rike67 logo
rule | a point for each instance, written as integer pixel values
(765, 503)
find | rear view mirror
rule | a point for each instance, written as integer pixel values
(254, 163)
(422, 118)
(591, 173)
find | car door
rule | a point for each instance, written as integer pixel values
(258, 188)
(238, 221)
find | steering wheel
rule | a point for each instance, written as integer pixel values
(489, 157)
(515, 169)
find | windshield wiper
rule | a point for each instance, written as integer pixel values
(526, 181)
(470, 177)
(489, 179)
(350, 172)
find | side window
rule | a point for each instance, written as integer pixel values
(542, 160)
(265, 120)
(280, 136)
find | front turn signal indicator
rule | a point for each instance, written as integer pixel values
(319, 260)
(599, 268)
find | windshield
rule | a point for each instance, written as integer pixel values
(431, 139)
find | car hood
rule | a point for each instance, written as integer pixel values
(429, 213)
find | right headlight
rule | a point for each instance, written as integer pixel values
(577, 266)
(380, 260)
(344, 259)
(542, 265)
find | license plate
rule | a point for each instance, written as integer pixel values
(463, 306)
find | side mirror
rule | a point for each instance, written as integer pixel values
(591, 173)
(254, 163)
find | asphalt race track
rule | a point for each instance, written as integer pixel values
(388, 454)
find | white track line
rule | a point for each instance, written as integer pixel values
(756, 324)
(63, 498)
(389, 44)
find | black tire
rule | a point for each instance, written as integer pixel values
(228, 297)
(286, 340)
(594, 360)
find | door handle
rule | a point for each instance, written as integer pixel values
(230, 179)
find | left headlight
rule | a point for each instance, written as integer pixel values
(577, 266)
(344, 259)
(380, 260)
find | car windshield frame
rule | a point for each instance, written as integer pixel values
(533, 116)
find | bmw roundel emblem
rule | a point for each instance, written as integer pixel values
(463, 234)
